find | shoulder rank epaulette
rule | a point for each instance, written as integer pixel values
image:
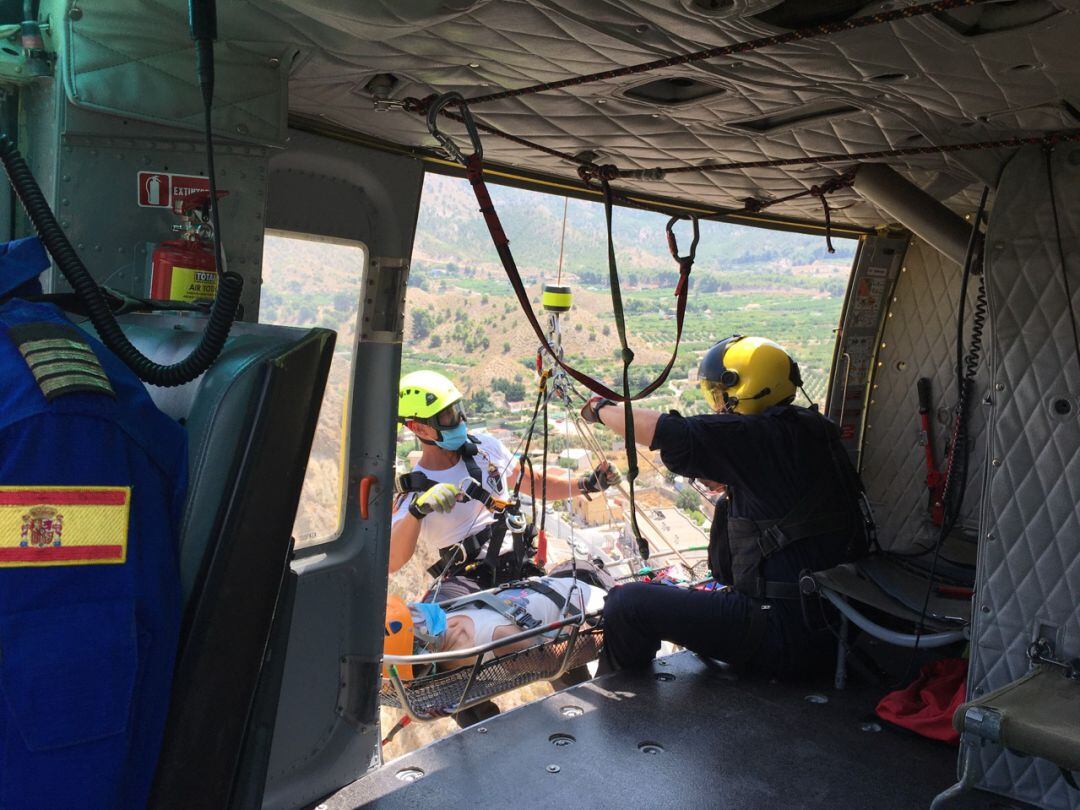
(61, 359)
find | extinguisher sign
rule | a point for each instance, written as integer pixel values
(160, 190)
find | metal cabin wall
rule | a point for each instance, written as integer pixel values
(919, 340)
(1029, 562)
(327, 724)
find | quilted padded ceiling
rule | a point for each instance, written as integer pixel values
(913, 82)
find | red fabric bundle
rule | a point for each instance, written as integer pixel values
(927, 705)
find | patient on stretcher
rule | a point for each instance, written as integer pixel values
(480, 618)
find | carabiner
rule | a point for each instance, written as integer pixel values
(465, 116)
(673, 245)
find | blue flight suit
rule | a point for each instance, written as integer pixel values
(86, 650)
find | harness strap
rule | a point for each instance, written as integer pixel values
(515, 613)
(447, 556)
(474, 170)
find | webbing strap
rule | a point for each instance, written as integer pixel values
(627, 359)
(474, 170)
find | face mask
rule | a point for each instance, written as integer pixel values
(433, 618)
(453, 438)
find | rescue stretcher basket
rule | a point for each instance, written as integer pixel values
(441, 694)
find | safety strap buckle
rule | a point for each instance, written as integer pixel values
(771, 540)
(476, 492)
(521, 617)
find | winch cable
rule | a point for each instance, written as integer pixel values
(474, 170)
(230, 285)
(956, 470)
(592, 445)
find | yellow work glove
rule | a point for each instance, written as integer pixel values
(440, 498)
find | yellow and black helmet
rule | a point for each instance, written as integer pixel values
(747, 375)
(423, 394)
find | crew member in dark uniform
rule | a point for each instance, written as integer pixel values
(93, 480)
(794, 504)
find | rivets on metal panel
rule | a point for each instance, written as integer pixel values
(273, 61)
(979, 691)
(409, 774)
(75, 13)
(562, 740)
(664, 676)
(553, 769)
(482, 730)
(571, 711)
(650, 748)
(999, 386)
(985, 609)
(990, 537)
(874, 728)
(996, 462)
(816, 699)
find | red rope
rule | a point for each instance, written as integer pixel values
(613, 172)
(727, 50)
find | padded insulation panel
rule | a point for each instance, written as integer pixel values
(1029, 565)
(919, 340)
(910, 83)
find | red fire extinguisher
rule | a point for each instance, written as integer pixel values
(183, 269)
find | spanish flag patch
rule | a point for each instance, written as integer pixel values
(63, 525)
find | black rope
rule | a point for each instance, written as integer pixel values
(543, 473)
(956, 472)
(810, 32)
(627, 359)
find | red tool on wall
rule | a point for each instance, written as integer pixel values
(935, 478)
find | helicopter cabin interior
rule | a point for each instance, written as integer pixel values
(943, 136)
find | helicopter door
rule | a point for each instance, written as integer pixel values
(326, 732)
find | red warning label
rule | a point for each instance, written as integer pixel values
(154, 190)
(160, 190)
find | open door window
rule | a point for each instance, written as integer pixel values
(316, 281)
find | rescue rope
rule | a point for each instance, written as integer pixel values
(610, 172)
(797, 35)
(562, 239)
(474, 171)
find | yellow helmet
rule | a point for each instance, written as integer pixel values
(398, 636)
(747, 375)
(422, 394)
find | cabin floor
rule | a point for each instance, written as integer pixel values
(680, 734)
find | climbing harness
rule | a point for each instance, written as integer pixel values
(463, 557)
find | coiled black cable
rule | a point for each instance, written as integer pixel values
(966, 368)
(222, 313)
